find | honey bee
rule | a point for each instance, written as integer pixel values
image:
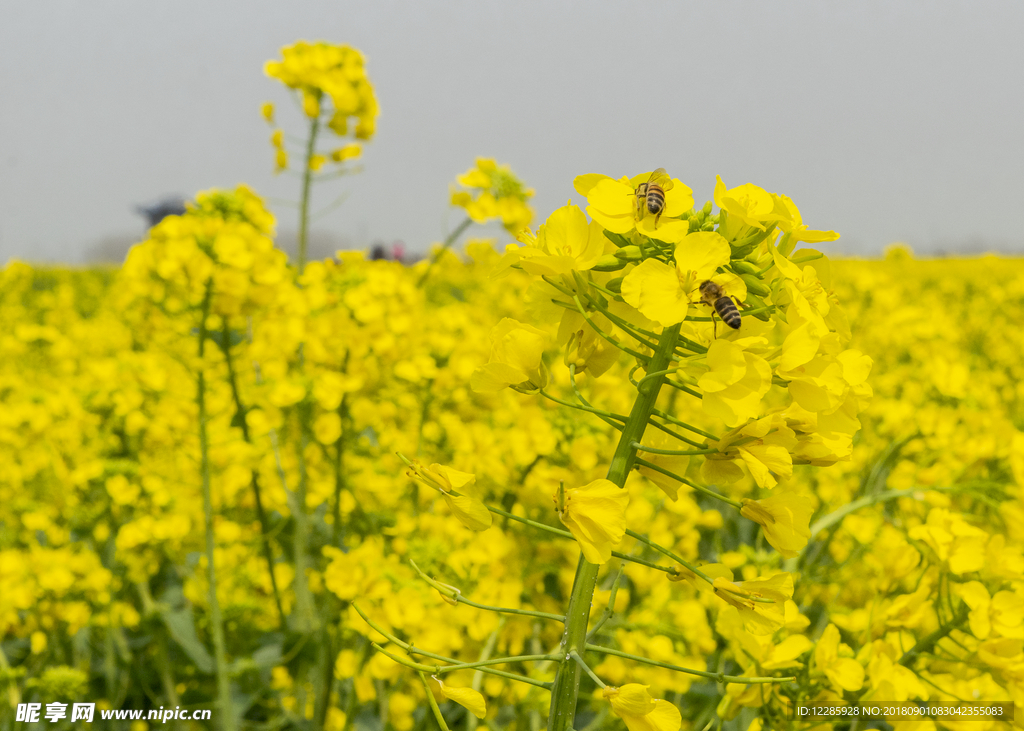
(651, 195)
(712, 294)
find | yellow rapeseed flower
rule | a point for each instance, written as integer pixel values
(761, 602)
(595, 514)
(784, 519)
(470, 699)
(471, 512)
(640, 712)
(515, 360)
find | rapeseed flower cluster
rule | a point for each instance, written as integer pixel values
(489, 191)
(96, 541)
(554, 482)
(334, 89)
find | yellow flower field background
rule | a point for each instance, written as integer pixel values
(536, 484)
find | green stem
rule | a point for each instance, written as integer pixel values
(717, 677)
(609, 609)
(673, 452)
(444, 247)
(603, 334)
(579, 397)
(456, 596)
(586, 668)
(673, 420)
(433, 703)
(698, 487)
(565, 692)
(666, 552)
(225, 347)
(163, 662)
(589, 409)
(567, 534)
(307, 180)
(434, 656)
(927, 644)
(216, 621)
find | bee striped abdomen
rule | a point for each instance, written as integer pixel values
(655, 199)
(726, 309)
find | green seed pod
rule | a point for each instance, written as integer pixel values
(755, 285)
(757, 303)
(608, 263)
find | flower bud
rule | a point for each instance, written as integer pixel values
(755, 285)
(608, 263)
(742, 266)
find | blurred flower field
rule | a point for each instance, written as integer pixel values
(533, 485)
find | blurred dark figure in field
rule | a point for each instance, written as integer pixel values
(156, 212)
(379, 252)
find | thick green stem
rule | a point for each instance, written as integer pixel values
(566, 688)
(307, 180)
(227, 715)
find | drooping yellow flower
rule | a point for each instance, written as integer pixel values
(761, 603)
(784, 518)
(515, 359)
(595, 514)
(640, 712)
(471, 699)
(471, 512)
(734, 383)
(589, 352)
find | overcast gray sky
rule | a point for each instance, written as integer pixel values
(885, 121)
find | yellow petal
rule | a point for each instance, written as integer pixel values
(727, 366)
(610, 203)
(669, 230)
(471, 512)
(471, 699)
(631, 699)
(701, 254)
(653, 288)
(585, 183)
(678, 200)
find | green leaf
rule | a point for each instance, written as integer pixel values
(181, 624)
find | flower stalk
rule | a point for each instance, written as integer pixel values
(227, 715)
(566, 688)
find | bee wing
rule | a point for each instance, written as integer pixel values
(660, 177)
